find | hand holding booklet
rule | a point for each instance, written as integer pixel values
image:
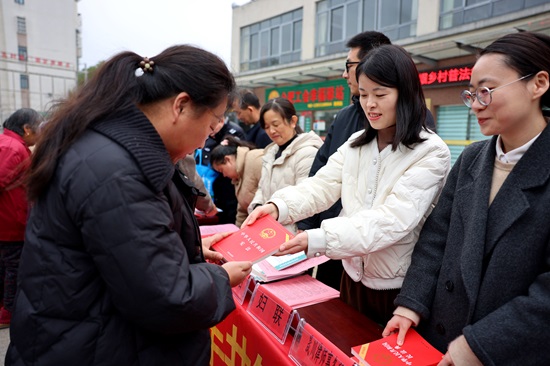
(254, 242)
(416, 351)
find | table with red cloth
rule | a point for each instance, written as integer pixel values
(241, 340)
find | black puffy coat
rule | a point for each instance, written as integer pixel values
(111, 272)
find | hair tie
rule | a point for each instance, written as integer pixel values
(145, 65)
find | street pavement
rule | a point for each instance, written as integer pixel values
(4, 341)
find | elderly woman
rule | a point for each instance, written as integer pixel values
(287, 160)
(20, 132)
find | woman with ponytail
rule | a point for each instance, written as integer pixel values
(113, 270)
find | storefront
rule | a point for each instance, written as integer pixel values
(316, 103)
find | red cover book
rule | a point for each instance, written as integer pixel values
(254, 242)
(416, 351)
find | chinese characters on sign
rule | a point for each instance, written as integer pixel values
(335, 94)
(271, 312)
(445, 76)
(35, 60)
(311, 348)
(331, 94)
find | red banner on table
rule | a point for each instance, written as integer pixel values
(311, 348)
(271, 312)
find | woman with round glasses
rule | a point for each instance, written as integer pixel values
(478, 287)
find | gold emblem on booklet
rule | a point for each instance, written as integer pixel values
(267, 233)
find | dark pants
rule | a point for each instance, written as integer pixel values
(10, 253)
(377, 305)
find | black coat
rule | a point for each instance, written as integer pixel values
(257, 135)
(111, 271)
(484, 271)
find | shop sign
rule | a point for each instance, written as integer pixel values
(330, 94)
(451, 75)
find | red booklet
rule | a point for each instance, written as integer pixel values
(416, 351)
(254, 242)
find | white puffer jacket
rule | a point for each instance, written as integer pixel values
(289, 169)
(386, 197)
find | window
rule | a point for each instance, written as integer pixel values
(22, 53)
(21, 25)
(24, 81)
(339, 20)
(271, 42)
(22, 2)
(458, 12)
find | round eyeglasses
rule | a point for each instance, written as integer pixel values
(483, 94)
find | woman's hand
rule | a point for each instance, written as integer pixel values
(207, 242)
(267, 209)
(294, 245)
(237, 271)
(398, 323)
(460, 353)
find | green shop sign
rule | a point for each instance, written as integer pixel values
(330, 94)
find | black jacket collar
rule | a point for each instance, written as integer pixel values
(133, 131)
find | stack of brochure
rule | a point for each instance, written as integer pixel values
(264, 272)
(285, 261)
(301, 291)
(208, 230)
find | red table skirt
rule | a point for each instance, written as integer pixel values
(241, 340)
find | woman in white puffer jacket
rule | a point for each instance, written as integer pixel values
(389, 177)
(286, 161)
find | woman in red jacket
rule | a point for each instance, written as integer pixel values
(19, 134)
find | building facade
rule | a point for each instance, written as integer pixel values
(296, 48)
(39, 50)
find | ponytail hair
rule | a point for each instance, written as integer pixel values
(121, 83)
(218, 154)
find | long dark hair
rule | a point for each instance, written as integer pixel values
(282, 106)
(218, 154)
(391, 66)
(117, 86)
(525, 52)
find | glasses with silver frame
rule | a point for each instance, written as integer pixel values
(484, 94)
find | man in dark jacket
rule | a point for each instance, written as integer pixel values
(247, 107)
